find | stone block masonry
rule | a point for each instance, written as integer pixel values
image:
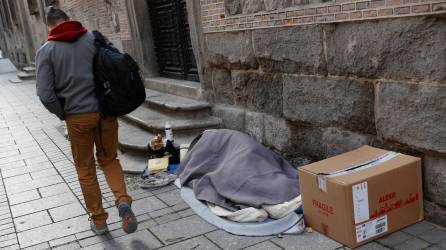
(413, 114)
(288, 55)
(330, 102)
(402, 49)
(326, 88)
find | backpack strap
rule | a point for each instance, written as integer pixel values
(99, 39)
(100, 136)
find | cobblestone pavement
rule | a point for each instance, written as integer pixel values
(41, 204)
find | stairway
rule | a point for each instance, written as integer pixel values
(28, 73)
(170, 100)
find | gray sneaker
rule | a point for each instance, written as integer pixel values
(99, 230)
(129, 222)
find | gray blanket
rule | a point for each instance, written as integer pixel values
(232, 170)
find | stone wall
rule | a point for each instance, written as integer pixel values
(16, 34)
(35, 17)
(324, 89)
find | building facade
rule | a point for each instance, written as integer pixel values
(22, 29)
(23, 24)
(309, 78)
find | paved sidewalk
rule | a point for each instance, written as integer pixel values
(41, 205)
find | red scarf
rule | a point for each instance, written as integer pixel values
(68, 31)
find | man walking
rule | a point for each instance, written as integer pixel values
(65, 86)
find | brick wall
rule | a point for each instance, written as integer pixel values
(108, 16)
(216, 14)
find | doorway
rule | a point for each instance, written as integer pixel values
(172, 41)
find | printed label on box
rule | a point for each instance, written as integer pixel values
(371, 229)
(361, 202)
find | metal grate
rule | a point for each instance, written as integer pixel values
(172, 40)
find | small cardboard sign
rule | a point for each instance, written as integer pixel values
(158, 165)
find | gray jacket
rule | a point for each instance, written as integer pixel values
(65, 82)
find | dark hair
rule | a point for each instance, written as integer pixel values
(55, 16)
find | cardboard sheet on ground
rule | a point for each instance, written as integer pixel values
(268, 227)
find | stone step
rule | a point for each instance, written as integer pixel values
(175, 87)
(29, 69)
(26, 76)
(133, 139)
(15, 80)
(177, 105)
(154, 121)
(132, 163)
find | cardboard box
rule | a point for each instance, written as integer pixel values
(362, 195)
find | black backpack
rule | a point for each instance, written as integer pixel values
(119, 87)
